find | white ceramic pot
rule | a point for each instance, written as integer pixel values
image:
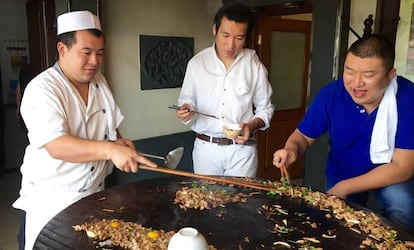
(188, 238)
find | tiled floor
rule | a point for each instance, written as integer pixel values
(10, 217)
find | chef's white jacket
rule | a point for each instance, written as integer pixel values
(52, 107)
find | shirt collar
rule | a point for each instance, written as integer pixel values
(240, 55)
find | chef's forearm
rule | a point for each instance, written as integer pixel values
(74, 149)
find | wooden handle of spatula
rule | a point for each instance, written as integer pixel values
(209, 177)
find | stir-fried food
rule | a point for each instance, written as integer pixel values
(299, 230)
(379, 236)
(202, 197)
(127, 235)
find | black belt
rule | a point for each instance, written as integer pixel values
(223, 141)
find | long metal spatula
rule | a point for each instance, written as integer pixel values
(171, 160)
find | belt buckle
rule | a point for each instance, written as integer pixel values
(217, 140)
(221, 141)
(226, 141)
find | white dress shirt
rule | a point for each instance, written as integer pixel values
(237, 95)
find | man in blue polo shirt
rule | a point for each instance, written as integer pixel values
(369, 115)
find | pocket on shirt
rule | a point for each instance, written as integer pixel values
(242, 90)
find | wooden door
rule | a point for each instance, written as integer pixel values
(284, 48)
(41, 23)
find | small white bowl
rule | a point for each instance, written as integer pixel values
(231, 130)
(188, 238)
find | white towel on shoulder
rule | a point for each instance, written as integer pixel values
(385, 126)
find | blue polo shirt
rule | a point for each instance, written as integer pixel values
(350, 128)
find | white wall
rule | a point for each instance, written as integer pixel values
(13, 33)
(403, 37)
(359, 12)
(146, 113)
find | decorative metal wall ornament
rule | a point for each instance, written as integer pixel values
(164, 60)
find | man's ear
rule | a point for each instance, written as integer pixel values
(392, 73)
(214, 30)
(61, 48)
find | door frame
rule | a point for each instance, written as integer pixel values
(269, 23)
(284, 122)
(41, 19)
(260, 42)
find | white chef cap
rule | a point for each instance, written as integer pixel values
(77, 20)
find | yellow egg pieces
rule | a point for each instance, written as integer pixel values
(114, 223)
(153, 234)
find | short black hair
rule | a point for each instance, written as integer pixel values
(69, 38)
(237, 12)
(375, 45)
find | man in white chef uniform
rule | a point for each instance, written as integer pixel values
(72, 121)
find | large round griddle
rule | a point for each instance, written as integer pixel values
(235, 226)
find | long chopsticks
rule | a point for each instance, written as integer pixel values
(177, 107)
(209, 177)
(284, 174)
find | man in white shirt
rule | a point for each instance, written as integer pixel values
(72, 123)
(229, 82)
